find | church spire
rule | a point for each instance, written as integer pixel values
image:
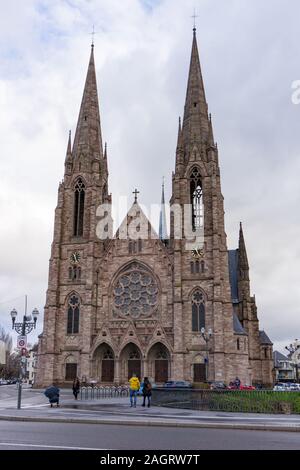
(69, 148)
(195, 122)
(243, 259)
(163, 234)
(88, 138)
(179, 138)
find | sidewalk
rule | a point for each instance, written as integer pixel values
(117, 411)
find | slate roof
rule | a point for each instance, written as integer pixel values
(264, 338)
(237, 326)
(278, 357)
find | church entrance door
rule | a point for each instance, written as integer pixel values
(161, 370)
(108, 370)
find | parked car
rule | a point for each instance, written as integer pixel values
(3, 382)
(177, 384)
(218, 385)
(280, 387)
(233, 386)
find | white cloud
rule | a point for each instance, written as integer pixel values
(248, 50)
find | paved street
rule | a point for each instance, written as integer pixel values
(110, 423)
(19, 435)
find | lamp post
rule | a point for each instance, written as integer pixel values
(292, 348)
(206, 335)
(23, 329)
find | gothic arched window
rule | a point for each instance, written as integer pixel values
(202, 267)
(79, 196)
(73, 315)
(198, 311)
(196, 198)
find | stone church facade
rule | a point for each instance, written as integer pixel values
(148, 305)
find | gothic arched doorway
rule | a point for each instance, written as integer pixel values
(104, 360)
(159, 363)
(131, 362)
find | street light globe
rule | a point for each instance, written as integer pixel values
(13, 314)
(202, 330)
(35, 314)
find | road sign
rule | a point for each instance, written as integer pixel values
(22, 342)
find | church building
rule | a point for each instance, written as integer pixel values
(152, 305)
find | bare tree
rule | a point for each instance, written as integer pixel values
(6, 337)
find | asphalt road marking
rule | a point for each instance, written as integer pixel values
(44, 446)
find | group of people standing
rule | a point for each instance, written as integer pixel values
(52, 392)
(134, 387)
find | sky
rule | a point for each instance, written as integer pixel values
(250, 57)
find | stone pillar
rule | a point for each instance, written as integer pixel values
(117, 371)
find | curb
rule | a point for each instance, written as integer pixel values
(249, 427)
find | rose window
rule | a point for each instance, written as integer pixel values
(135, 293)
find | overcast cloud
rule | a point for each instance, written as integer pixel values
(250, 55)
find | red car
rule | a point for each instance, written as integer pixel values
(233, 386)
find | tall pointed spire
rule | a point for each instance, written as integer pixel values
(211, 140)
(243, 259)
(163, 234)
(195, 122)
(69, 148)
(88, 138)
(179, 138)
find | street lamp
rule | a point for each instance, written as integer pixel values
(206, 335)
(23, 329)
(292, 348)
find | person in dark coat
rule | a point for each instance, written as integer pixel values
(52, 393)
(147, 391)
(76, 387)
(237, 383)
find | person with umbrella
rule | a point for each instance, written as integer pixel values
(52, 393)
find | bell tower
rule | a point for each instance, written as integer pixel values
(73, 273)
(196, 189)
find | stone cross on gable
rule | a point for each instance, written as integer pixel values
(135, 192)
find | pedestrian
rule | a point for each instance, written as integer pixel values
(147, 391)
(52, 393)
(237, 383)
(76, 387)
(134, 386)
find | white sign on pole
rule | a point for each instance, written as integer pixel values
(22, 342)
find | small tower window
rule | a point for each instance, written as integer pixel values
(79, 198)
(238, 344)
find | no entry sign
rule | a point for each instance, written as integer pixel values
(22, 342)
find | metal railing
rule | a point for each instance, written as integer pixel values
(94, 392)
(252, 401)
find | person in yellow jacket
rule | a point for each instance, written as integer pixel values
(134, 386)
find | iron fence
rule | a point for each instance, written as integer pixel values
(252, 401)
(91, 392)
